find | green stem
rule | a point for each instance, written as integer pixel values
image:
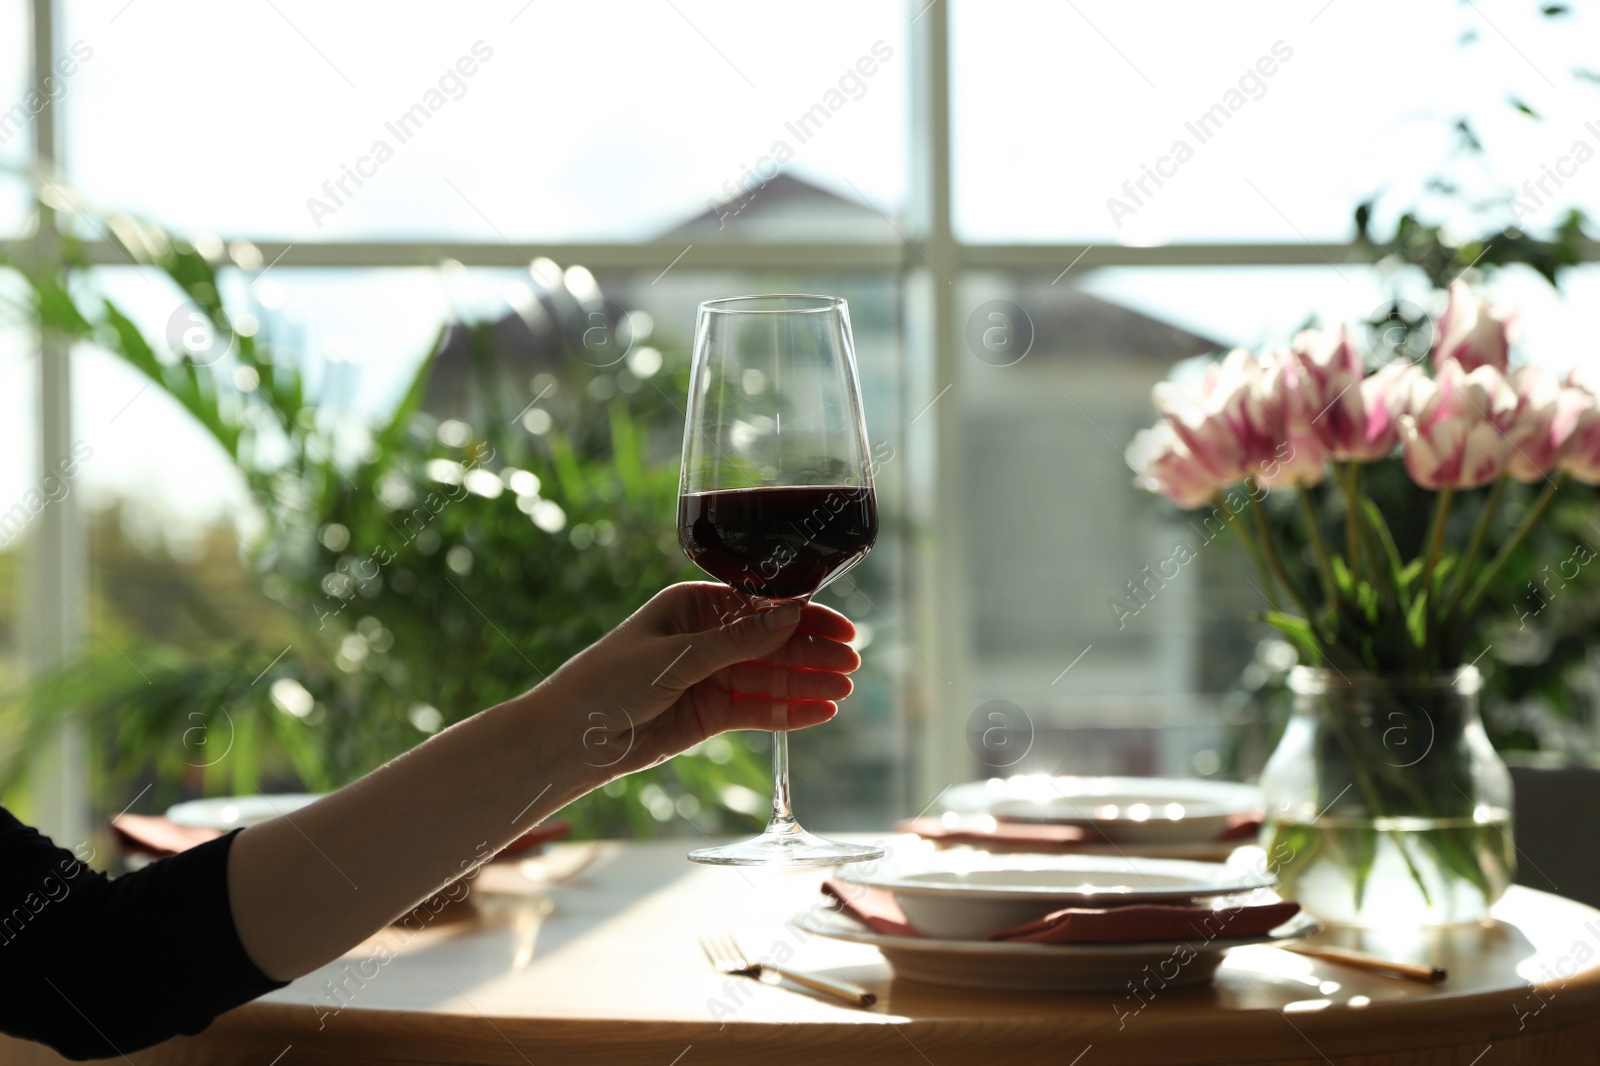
(1441, 518)
(1276, 565)
(1469, 558)
(1319, 549)
(1349, 479)
(1385, 551)
(1369, 791)
(1242, 531)
(1510, 547)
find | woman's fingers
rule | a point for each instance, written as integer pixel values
(693, 606)
(827, 623)
(766, 680)
(806, 651)
(759, 714)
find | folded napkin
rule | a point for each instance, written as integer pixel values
(876, 909)
(1042, 836)
(155, 836)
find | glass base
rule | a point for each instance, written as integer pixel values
(786, 845)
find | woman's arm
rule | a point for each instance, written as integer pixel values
(306, 887)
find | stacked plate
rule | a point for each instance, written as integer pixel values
(1151, 816)
(953, 901)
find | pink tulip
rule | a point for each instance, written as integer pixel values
(1357, 416)
(1471, 332)
(1251, 418)
(1582, 458)
(1457, 427)
(1333, 373)
(1163, 463)
(1385, 396)
(1226, 425)
(1550, 417)
(1292, 401)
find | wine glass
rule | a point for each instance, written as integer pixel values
(776, 498)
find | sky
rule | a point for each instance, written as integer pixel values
(615, 121)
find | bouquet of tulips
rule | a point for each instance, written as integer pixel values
(1350, 801)
(1291, 418)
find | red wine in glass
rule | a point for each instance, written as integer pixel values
(782, 542)
(776, 498)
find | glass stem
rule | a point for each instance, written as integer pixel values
(782, 815)
(783, 820)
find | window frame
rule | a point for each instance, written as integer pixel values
(929, 258)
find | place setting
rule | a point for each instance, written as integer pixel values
(1052, 923)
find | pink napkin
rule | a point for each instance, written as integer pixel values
(158, 836)
(876, 908)
(1045, 837)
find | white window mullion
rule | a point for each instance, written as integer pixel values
(56, 574)
(938, 694)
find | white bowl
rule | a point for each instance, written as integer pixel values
(956, 895)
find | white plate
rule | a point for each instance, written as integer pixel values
(967, 895)
(1135, 810)
(1045, 967)
(1198, 851)
(236, 812)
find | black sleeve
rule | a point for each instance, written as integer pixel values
(96, 967)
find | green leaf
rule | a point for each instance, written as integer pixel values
(1342, 578)
(1299, 632)
(388, 440)
(1391, 554)
(626, 453)
(1417, 620)
(568, 469)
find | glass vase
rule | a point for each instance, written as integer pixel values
(1386, 803)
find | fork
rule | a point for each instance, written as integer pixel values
(724, 954)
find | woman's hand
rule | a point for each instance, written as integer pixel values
(689, 664)
(696, 661)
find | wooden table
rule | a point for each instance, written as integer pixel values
(605, 969)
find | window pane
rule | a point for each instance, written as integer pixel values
(1077, 618)
(510, 121)
(1266, 121)
(16, 113)
(169, 509)
(19, 433)
(1120, 671)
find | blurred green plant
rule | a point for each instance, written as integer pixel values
(412, 572)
